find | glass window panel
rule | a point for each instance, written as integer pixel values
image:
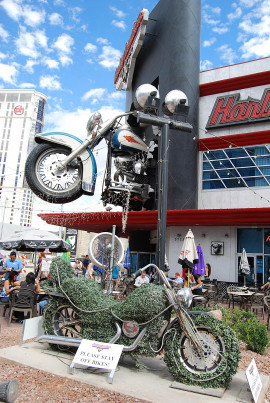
(206, 165)
(215, 184)
(204, 157)
(258, 150)
(265, 170)
(262, 160)
(227, 173)
(218, 154)
(242, 162)
(250, 239)
(210, 175)
(222, 164)
(236, 152)
(256, 182)
(234, 183)
(252, 171)
(267, 245)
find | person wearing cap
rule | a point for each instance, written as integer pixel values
(12, 264)
(178, 281)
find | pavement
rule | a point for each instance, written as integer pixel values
(153, 384)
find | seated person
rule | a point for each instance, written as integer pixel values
(90, 271)
(9, 285)
(194, 282)
(30, 283)
(77, 267)
(178, 281)
(116, 277)
(142, 279)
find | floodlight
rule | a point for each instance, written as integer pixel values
(146, 96)
(176, 103)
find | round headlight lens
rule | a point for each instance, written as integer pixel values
(184, 297)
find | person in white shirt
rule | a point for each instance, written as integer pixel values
(142, 279)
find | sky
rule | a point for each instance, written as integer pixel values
(68, 50)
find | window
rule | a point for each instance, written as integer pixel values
(236, 167)
(12, 97)
(250, 239)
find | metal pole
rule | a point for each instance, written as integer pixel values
(159, 194)
(111, 266)
(4, 213)
(163, 208)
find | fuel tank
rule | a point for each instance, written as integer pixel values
(125, 140)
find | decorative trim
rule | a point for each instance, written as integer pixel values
(147, 220)
(236, 83)
(236, 140)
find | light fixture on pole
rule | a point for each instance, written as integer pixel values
(176, 108)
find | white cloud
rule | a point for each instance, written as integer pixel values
(208, 19)
(59, 3)
(8, 73)
(33, 17)
(2, 56)
(90, 48)
(65, 60)
(95, 93)
(117, 95)
(205, 65)
(236, 14)
(75, 11)
(102, 41)
(117, 12)
(209, 42)
(51, 63)
(63, 44)
(50, 83)
(56, 19)
(3, 34)
(109, 58)
(119, 24)
(12, 8)
(28, 44)
(27, 85)
(227, 54)
(221, 29)
(29, 66)
(248, 3)
(16, 10)
(255, 32)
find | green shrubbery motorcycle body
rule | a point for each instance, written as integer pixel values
(199, 349)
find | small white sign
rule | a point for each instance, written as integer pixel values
(97, 354)
(32, 328)
(254, 380)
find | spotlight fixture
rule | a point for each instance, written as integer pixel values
(175, 103)
(146, 98)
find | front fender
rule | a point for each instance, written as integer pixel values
(72, 142)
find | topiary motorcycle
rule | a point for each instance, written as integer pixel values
(199, 349)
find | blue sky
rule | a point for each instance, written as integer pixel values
(69, 49)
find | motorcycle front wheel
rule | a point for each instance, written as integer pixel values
(219, 361)
(47, 181)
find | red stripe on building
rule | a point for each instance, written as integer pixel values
(236, 83)
(236, 140)
(147, 220)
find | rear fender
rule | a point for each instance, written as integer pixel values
(72, 142)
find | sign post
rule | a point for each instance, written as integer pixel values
(254, 380)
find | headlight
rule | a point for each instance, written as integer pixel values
(184, 297)
(94, 120)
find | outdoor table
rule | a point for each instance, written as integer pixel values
(244, 295)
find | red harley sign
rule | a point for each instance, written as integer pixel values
(230, 110)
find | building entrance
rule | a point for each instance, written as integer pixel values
(256, 270)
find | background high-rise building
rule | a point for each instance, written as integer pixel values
(21, 116)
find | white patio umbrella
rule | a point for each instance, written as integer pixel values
(244, 265)
(188, 256)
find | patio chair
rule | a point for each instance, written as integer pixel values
(23, 301)
(199, 301)
(211, 297)
(233, 298)
(257, 303)
(267, 308)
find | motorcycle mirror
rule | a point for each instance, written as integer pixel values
(94, 120)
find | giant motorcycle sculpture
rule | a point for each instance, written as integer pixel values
(199, 349)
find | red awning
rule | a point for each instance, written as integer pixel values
(147, 220)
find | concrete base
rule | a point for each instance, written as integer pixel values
(153, 384)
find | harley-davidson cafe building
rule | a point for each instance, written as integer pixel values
(231, 208)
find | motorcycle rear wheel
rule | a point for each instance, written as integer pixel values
(220, 361)
(46, 182)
